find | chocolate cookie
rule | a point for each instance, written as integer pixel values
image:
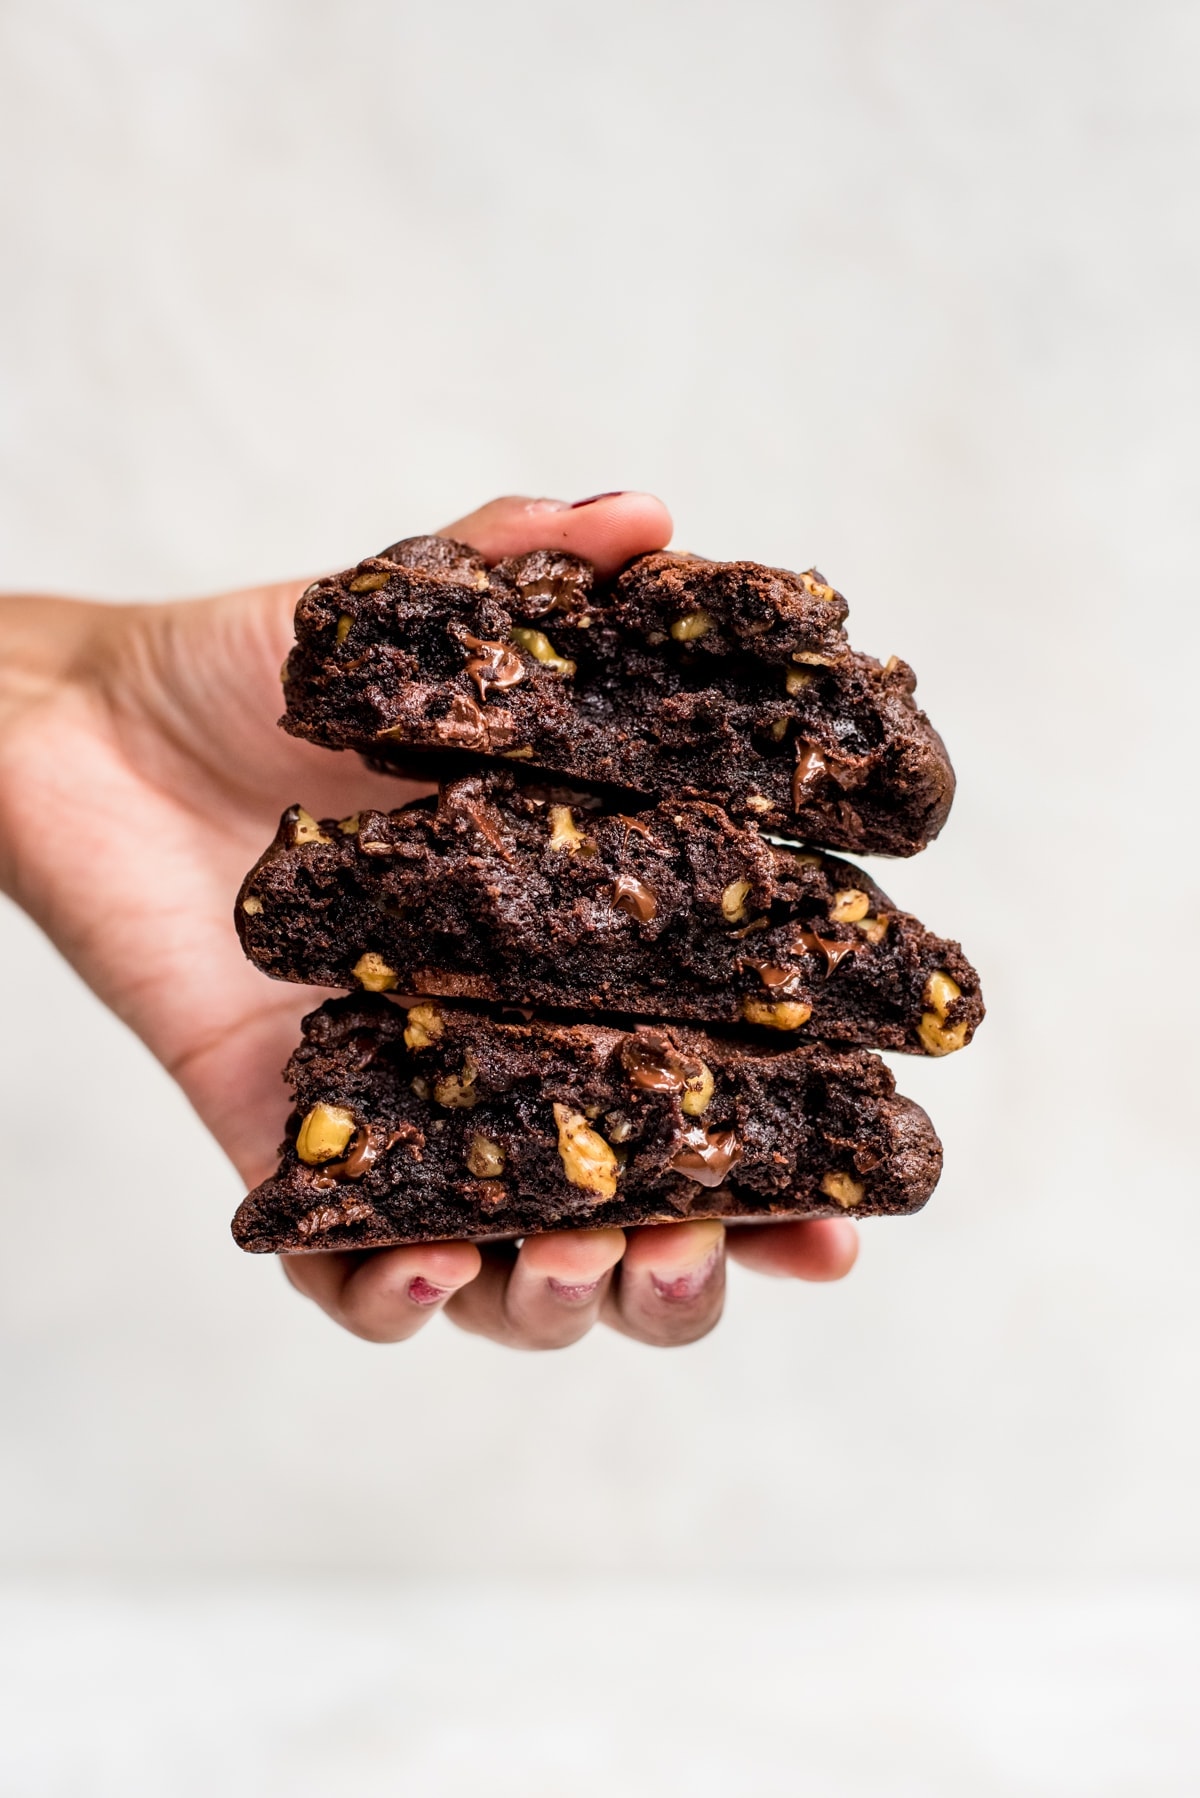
(748, 697)
(504, 890)
(431, 1122)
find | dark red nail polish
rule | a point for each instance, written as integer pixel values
(563, 1289)
(614, 494)
(680, 1289)
(421, 1292)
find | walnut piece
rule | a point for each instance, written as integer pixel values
(457, 1091)
(758, 802)
(538, 645)
(697, 1090)
(324, 1133)
(783, 1014)
(343, 628)
(252, 906)
(305, 828)
(938, 1037)
(848, 906)
(695, 624)
(796, 681)
(587, 1159)
(371, 580)
(843, 1189)
(733, 901)
(485, 1158)
(425, 1025)
(373, 973)
(874, 929)
(564, 832)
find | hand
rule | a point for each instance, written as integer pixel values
(141, 773)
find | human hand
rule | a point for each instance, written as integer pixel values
(141, 773)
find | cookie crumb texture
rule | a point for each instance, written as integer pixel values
(505, 890)
(682, 678)
(422, 1121)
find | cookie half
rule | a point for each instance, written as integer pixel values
(681, 679)
(431, 1122)
(503, 890)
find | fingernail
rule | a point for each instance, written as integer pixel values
(562, 1289)
(421, 1292)
(613, 493)
(679, 1288)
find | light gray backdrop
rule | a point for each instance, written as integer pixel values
(907, 290)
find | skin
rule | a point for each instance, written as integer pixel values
(139, 742)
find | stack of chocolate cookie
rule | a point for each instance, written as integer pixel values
(637, 988)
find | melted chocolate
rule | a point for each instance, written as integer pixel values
(652, 1064)
(832, 950)
(492, 664)
(811, 771)
(706, 1156)
(784, 983)
(633, 896)
(465, 724)
(368, 1145)
(551, 593)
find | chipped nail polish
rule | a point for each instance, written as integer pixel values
(563, 1289)
(421, 1292)
(613, 493)
(679, 1289)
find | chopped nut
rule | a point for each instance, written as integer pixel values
(344, 624)
(420, 1086)
(305, 828)
(620, 1127)
(348, 826)
(539, 646)
(283, 670)
(485, 1158)
(941, 992)
(519, 755)
(754, 924)
(324, 1133)
(874, 929)
(812, 658)
(784, 1014)
(695, 624)
(812, 583)
(587, 1159)
(564, 832)
(372, 972)
(733, 901)
(457, 1091)
(425, 1025)
(843, 1189)
(938, 1037)
(758, 802)
(252, 906)
(698, 1091)
(779, 729)
(796, 680)
(848, 906)
(371, 580)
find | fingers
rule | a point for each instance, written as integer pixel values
(606, 529)
(386, 1296)
(546, 1296)
(824, 1248)
(672, 1283)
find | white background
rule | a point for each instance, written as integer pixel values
(911, 291)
